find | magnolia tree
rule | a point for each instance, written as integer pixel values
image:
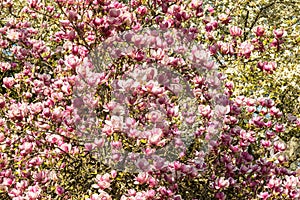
(149, 100)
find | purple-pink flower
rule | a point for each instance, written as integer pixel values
(278, 33)
(264, 195)
(8, 82)
(259, 31)
(246, 49)
(235, 31)
(221, 183)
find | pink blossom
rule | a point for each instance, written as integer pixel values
(130, 122)
(276, 43)
(141, 178)
(36, 108)
(107, 130)
(265, 143)
(229, 85)
(103, 181)
(127, 18)
(8, 82)
(290, 182)
(27, 147)
(102, 196)
(224, 18)
(46, 112)
(274, 182)
(221, 183)
(15, 193)
(88, 146)
(279, 128)
(282, 159)
(66, 88)
(264, 195)
(66, 147)
(221, 111)
(99, 142)
(73, 15)
(12, 35)
(57, 113)
(208, 27)
(98, 21)
(57, 96)
(114, 13)
(34, 192)
(54, 139)
(213, 49)
(259, 31)
(7, 181)
(267, 66)
(274, 111)
(116, 144)
(116, 123)
(4, 66)
(224, 47)
(154, 116)
(16, 113)
(294, 194)
(235, 31)
(33, 3)
(152, 182)
(2, 136)
(245, 49)
(59, 190)
(251, 109)
(142, 10)
(297, 122)
(131, 192)
(72, 61)
(211, 9)
(41, 177)
(36, 161)
(114, 173)
(158, 54)
(205, 111)
(177, 165)
(279, 146)
(155, 137)
(278, 33)
(220, 196)
(195, 4)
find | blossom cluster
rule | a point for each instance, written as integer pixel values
(69, 123)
